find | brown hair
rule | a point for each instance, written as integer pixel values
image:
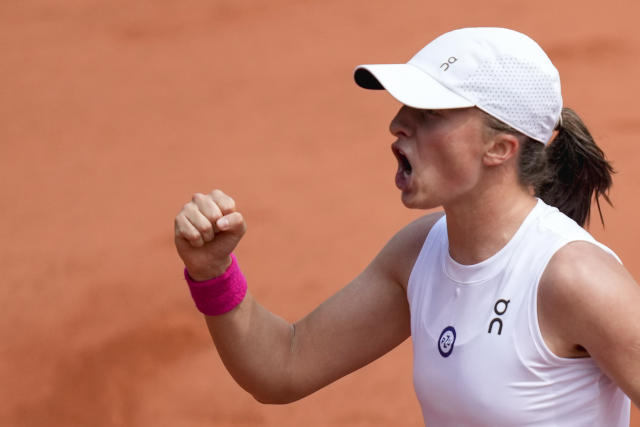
(568, 172)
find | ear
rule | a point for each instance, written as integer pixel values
(501, 148)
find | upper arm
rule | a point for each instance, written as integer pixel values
(364, 320)
(588, 299)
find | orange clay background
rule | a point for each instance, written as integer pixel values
(112, 113)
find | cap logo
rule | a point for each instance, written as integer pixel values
(445, 65)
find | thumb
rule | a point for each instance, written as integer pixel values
(232, 223)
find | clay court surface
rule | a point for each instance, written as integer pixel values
(112, 113)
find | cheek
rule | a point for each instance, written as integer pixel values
(463, 167)
(457, 165)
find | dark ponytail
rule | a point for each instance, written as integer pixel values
(569, 172)
(576, 171)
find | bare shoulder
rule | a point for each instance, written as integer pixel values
(586, 300)
(582, 274)
(399, 254)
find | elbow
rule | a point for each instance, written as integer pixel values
(278, 392)
(268, 399)
(277, 396)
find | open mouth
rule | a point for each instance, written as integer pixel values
(406, 166)
(403, 161)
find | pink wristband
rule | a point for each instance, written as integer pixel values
(220, 294)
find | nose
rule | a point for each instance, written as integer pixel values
(400, 126)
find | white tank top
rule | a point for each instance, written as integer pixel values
(479, 356)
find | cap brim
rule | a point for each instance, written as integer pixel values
(409, 85)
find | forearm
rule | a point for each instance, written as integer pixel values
(255, 347)
(270, 358)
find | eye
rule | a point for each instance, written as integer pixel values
(430, 117)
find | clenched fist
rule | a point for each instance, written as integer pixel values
(207, 229)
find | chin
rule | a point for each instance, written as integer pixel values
(412, 202)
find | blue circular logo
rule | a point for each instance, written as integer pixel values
(446, 341)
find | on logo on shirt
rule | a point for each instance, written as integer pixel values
(499, 308)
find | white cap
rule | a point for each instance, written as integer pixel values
(502, 72)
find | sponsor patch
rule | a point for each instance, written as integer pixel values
(446, 341)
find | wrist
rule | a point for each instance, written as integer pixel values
(210, 272)
(221, 293)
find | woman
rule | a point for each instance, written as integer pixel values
(518, 316)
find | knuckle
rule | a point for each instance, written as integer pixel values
(217, 193)
(206, 228)
(198, 197)
(223, 201)
(228, 203)
(179, 223)
(188, 207)
(193, 236)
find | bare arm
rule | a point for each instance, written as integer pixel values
(278, 362)
(588, 305)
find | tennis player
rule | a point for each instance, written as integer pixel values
(518, 316)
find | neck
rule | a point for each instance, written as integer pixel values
(481, 225)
